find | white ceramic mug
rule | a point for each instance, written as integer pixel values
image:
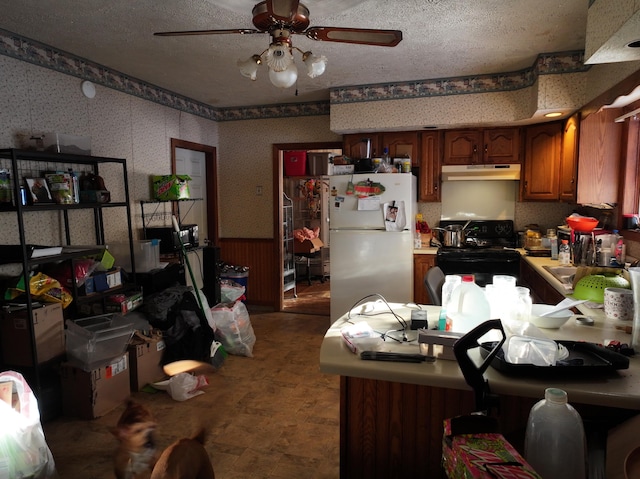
(618, 304)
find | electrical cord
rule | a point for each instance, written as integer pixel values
(387, 334)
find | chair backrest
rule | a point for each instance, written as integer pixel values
(433, 281)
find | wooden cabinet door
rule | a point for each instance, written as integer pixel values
(421, 264)
(542, 161)
(462, 147)
(430, 149)
(569, 160)
(501, 145)
(599, 157)
(402, 143)
(352, 144)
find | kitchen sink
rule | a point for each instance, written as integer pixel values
(564, 274)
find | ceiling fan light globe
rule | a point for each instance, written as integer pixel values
(279, 57)
(284, 79)
(249, 67)
(316, 65)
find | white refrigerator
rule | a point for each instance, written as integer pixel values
(371, 241)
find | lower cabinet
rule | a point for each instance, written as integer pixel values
(541, 291)
(421, 264)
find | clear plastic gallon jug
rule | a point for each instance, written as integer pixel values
(468, 306)
(555, 444)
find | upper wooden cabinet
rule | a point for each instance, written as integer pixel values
(599, 157)
(430, 154)
(569, 160)
(542, 150)
(400, 144)
(488, 146)
(353, 144)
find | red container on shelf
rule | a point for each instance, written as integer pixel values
(295, 163)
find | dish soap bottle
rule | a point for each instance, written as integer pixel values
(564, 254)
(555, 443)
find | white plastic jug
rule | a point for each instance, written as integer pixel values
(468, 306)
(555, 443)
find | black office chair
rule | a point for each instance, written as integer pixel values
(433, 281)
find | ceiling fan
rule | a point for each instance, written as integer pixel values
(281, 19)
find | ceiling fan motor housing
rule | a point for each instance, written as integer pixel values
(264, 20)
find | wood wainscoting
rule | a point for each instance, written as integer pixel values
(261, 256)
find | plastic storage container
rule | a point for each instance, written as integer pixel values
(93, 342)
(146, 252)
(468, 306)
(555, 443)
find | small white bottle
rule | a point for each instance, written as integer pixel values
(564, 254)
(555, 443)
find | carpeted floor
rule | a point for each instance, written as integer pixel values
(311, 299)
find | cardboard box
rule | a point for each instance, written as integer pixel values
(307, 246)
(48, 327)
(335, 169)
(145, 358)
(121, 303)
(92, 394)
(171, 187)
(438, 343)
(103, 281)
(481, 454)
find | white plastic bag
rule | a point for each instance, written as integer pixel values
(233, 328)
(23, 449)
(183, 386)
(230, 291)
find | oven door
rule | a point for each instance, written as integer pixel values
(482, 264)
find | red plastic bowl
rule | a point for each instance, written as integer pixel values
(586, 225)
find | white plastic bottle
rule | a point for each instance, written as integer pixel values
(564, 254)
(468, 306)
(555, 443)
(451, 281)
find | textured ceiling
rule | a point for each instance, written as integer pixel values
(441, 39)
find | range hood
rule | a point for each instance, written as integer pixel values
(480, 172)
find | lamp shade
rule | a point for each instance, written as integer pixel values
(279, 57)
(284, 79)
(249, 67)
(316, 65)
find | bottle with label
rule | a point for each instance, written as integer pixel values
(75, 186)
(564, 254)
(386, 159)
(555, 443)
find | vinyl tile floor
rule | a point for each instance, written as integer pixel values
(273, 415)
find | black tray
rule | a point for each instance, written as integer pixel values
(584, 358)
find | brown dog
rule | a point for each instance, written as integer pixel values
(137, 452)
(185, 459)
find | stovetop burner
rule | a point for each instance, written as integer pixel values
(481, 234)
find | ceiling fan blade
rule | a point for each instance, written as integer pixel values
(363, 36)
(282, 10)
(242, 31)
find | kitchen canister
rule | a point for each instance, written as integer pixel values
(634, 273)
(618, 304)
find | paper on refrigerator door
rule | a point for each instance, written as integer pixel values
(371, 203)
(395, 218)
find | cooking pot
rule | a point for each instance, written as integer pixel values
(453, 235)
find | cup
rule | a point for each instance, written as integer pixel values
(618, 304)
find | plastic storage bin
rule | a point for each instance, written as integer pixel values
(93, 342)
(146, 252)
(295, 163)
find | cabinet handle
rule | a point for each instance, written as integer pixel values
(486, 149)
(475, 148)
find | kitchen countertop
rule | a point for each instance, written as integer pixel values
(616, 389)
(426, 250)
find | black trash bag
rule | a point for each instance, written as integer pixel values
(185, 329)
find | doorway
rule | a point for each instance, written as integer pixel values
(311, 298)
(199, 162)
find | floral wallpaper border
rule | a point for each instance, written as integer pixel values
(31, 51)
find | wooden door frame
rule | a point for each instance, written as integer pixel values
(210, 182)
(278, 186)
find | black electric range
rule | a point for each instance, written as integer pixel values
(489, 249)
